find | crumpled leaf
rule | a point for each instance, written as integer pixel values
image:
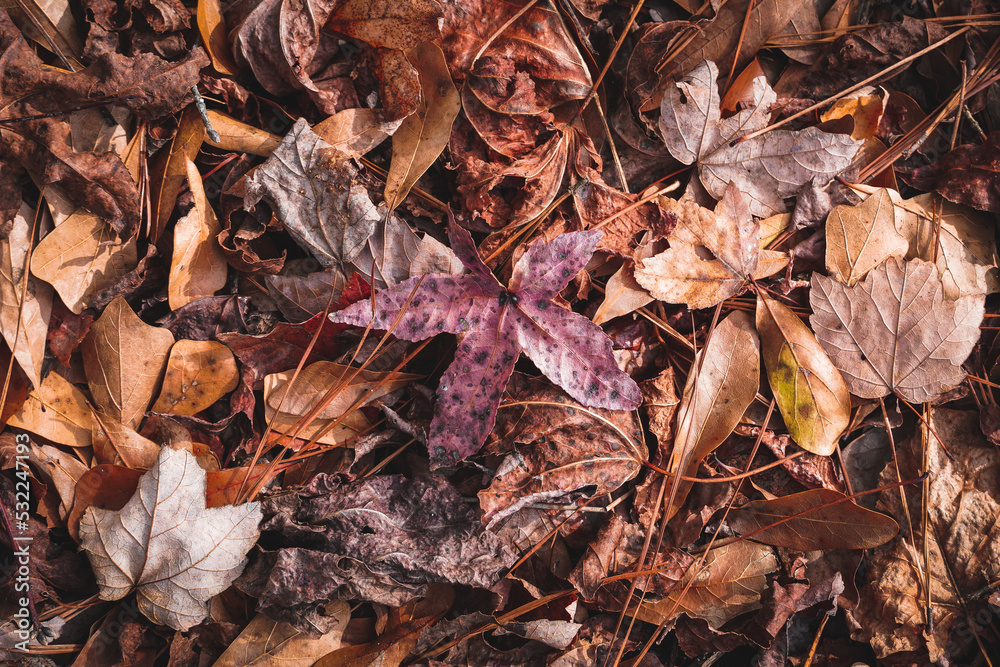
(169, 172)
(809, 390)
(554, 448)
(167, 546)
(684, 274)
(813, 520)
(722, 383)
(895, 331)
(962, 506)
(497, 324)
(363, 539)
(25, 301)
(767, 168)
(966, 175)
(124, 358)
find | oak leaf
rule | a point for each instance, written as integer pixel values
(895, 331)
(496, 325)
(686, 273)
(167, 546)
(767, 168)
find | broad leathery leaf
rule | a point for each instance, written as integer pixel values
(167, 546)
(25, 301)
(240, 137)
(424, 133)
(859, 238)
(895, 332)
(809, 390)
(722, 383)
(728, 584)
(385, 24)
(354, 132)
(199, 372)
(198, 266)
(124, 358)
(685, 273)
(57, 411)
(265, 642)
(767, 168)
(813, 520)
(496, 325)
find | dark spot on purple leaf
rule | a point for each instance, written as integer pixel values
(542, 304)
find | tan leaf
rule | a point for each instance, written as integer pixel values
(859, 238)
(728, 584)
(424, 134)
(124, 358)
(213, 35)
(354, 132)
(722, 382)
(52, 26)
(767, 168)
(711, 255)
(115, 443)
(265, 642)
(895, 331)
(56, 411)
(240, 137)
(63, 469)
(25, 303)
(864, 106)
(198, 374)
(198, 267)
(623, 295)
(168, 172)
(808, 388)
(167, 546)
(813, 520)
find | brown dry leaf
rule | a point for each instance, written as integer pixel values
(423, 134)
(895, 331)
(285, 412)
(213, 35)
(169, 172)
(300, 297)
(198, 267)
(124, 358)
(962, 506)
(387, 25)
(265, 642)
(727, 585)
(63, 469)
(859, 238)
(117, 444)
(966, 249)
(864, 106)
(25, 302)
(808, 388)
(685, 273)
(240, 137)
(354, 132)
(199, 372)
(555, 450)
(52, 26)
(56, 411)
(167, 546)
(105, 486)
(767, 168)
(623, 295)
(722, 383)
(813, 520)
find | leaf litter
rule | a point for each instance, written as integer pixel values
(225, 380)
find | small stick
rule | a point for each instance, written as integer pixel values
(199, 103)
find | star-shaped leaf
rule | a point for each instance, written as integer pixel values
(167, 546)
(496, 325)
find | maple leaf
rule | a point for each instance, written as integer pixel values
(165, 543)
(496, 325)
(768, 168)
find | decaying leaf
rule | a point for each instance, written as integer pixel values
(813, 520)
(124, 358)
(199, 372)
(198, 267)
(721, 385)
(859, 238)
(966, 175)
(685, 273)
(767, 168)
(496, 325)
(267, 642)
(808, 388)
(57, 411)
(895, 332)
(167, 546)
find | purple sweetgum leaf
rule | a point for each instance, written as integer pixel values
(496, 325)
